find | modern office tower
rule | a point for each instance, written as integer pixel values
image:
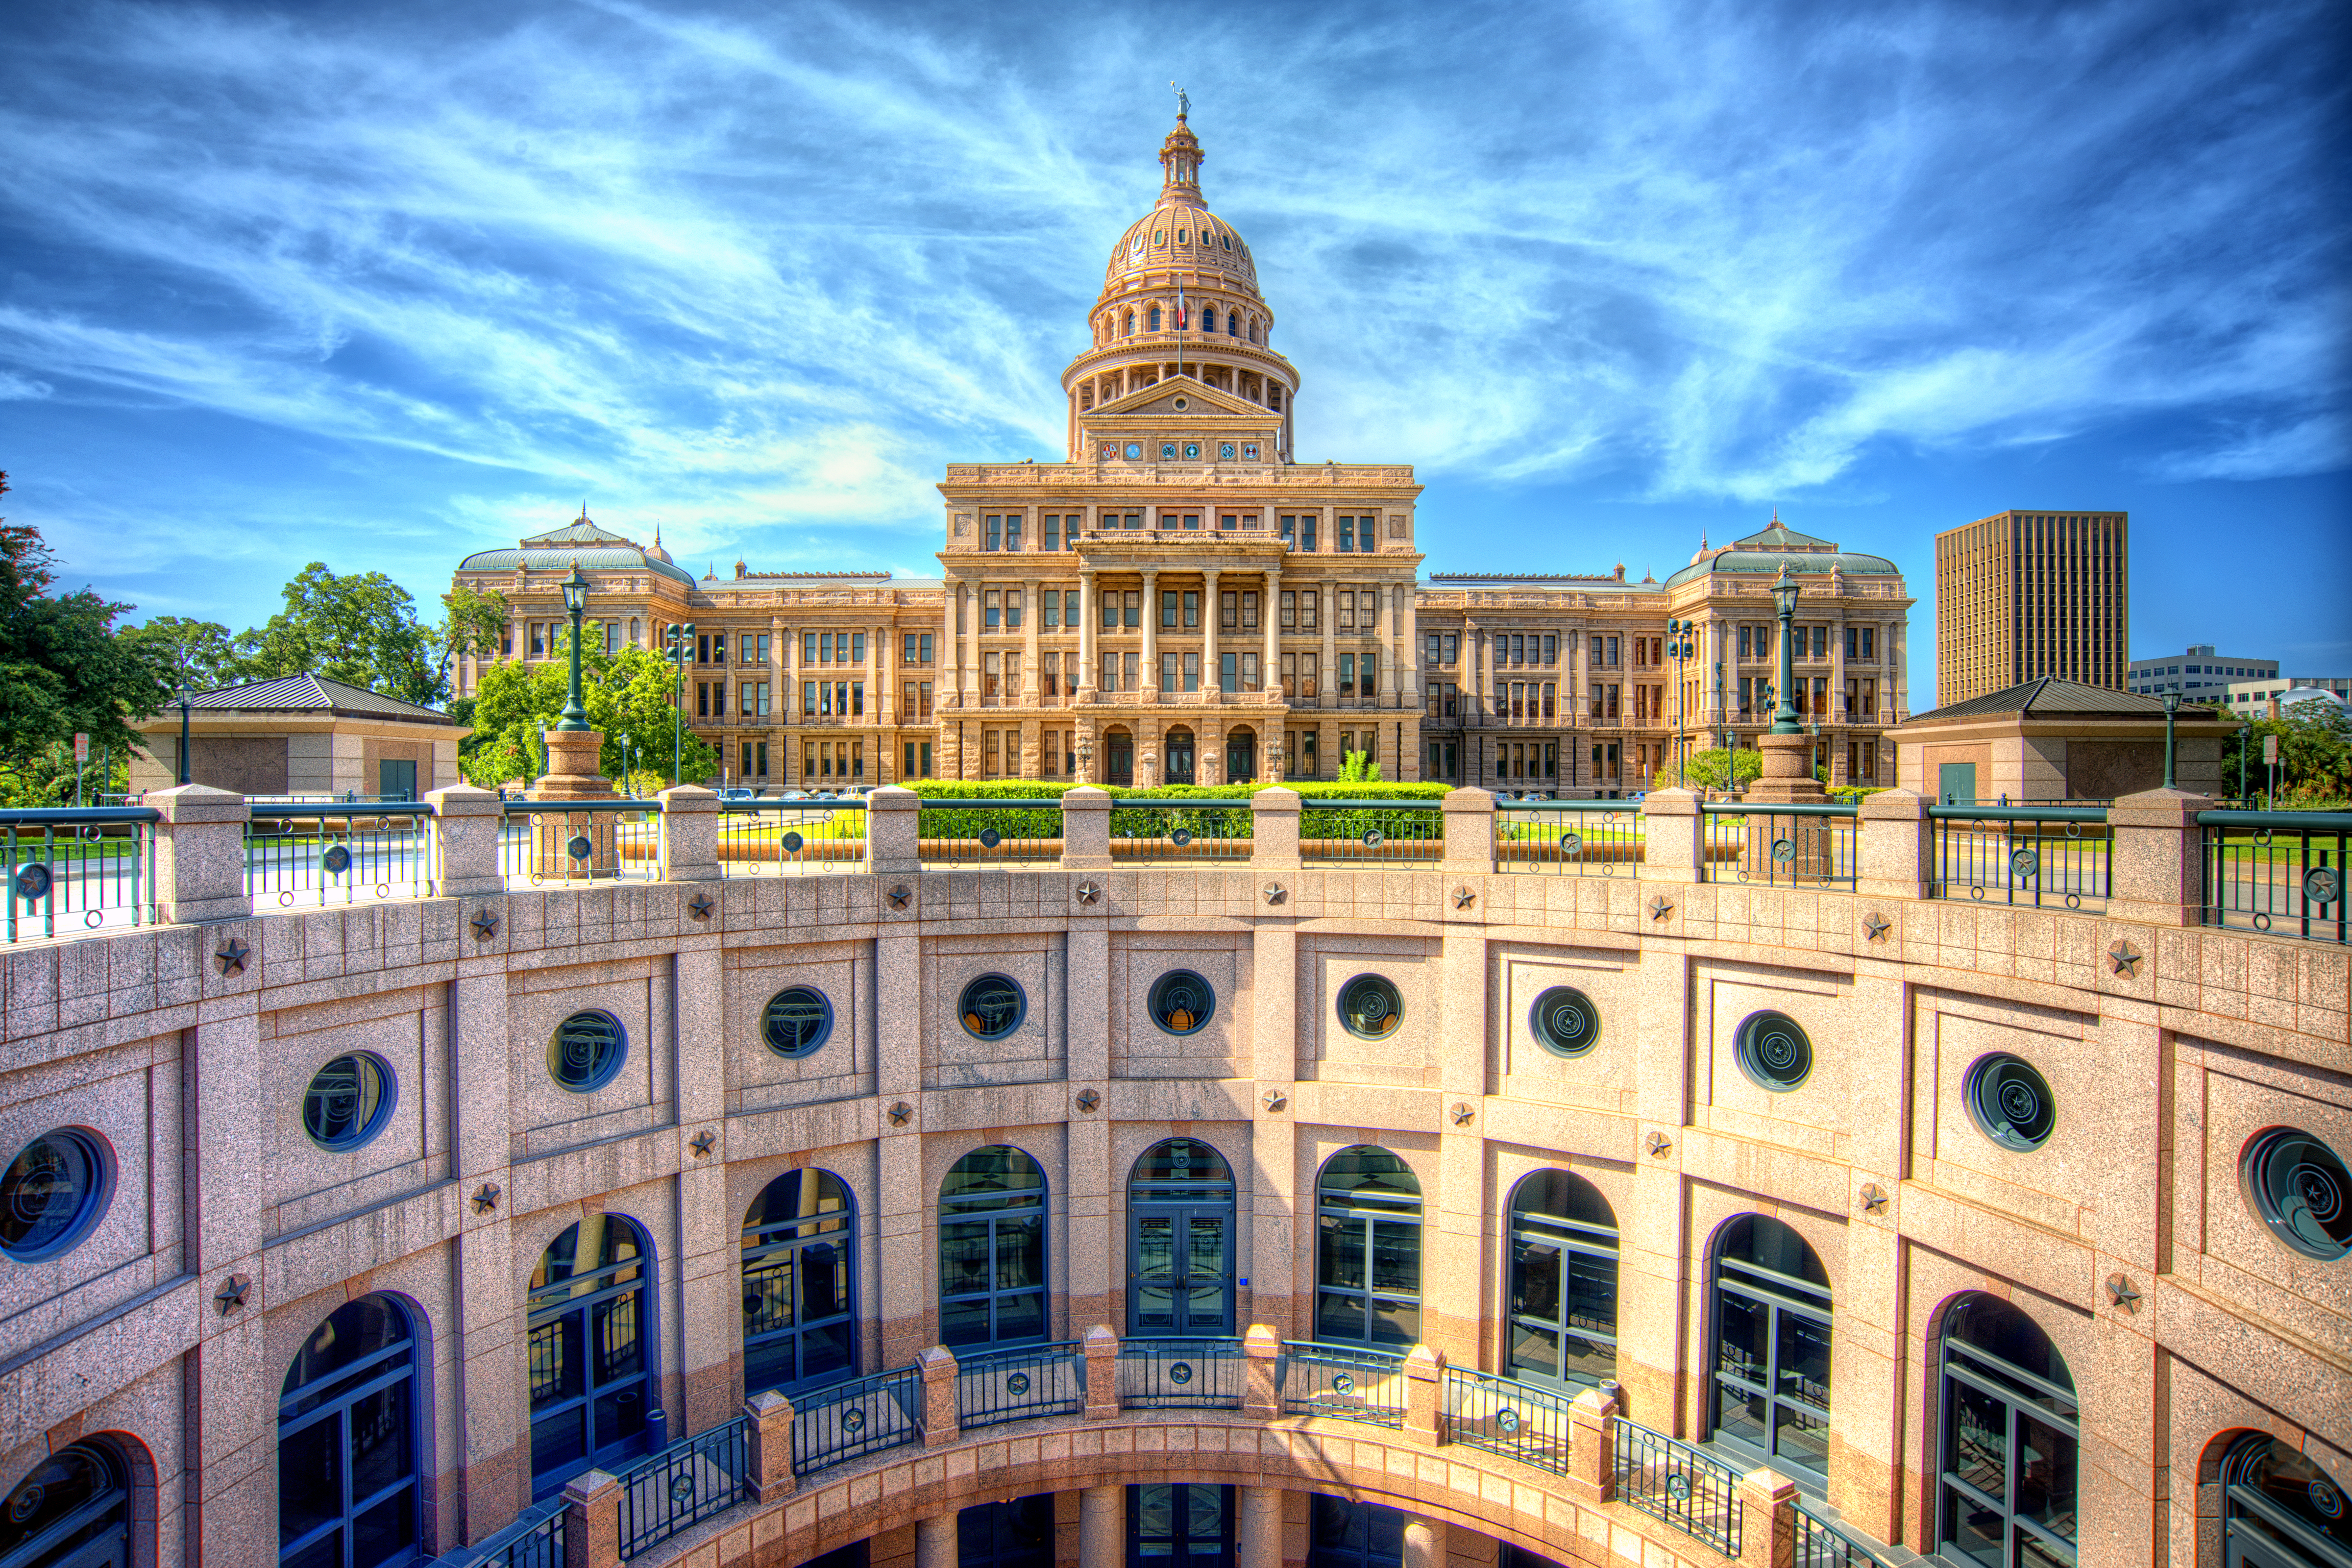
(2026, 594)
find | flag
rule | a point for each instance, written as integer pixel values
(1180, 305)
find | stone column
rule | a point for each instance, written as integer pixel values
(1089, 612)
(1469, 816)
(1257, 1534)
(892, 819)
(967, 612)
(1424, 1542)
(1327, 611)
(200, 855)
(1086, 829)
(464, 827)
(1767, 1501)
(1269, 620)
(769, 1431)
(941, 1425)
(690, 835)
(1837, 715)
(592, 1521)
(1424, 1408)
(1895, 844)
(935, 1542)
(1261, 1395)
(1102, 1527)
(1405, 636)
(1590, 1458)
(1029, 619)
(1274, 830)
(2158, 865)
(1102, 1373)
(1674, 838)
(1151, 681)
(1210, 623)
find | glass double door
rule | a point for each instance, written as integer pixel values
(1185, 1525)
(1180, 757)
(1179, 1277)
(1772, 1375)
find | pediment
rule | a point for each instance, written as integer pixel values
(1158, 401)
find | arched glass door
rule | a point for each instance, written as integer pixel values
(1771, 1382)
(591, 1355)
(1180, 1242)
(1563, 1298)
(2011, 1429)
(1241, 757)
(1180, 756)
(72, 1511)
(2280, 1509)
(347, 1443)
(1185, 1525)
(800, 1255)
(1014, 1534)
(1118, 758)
(1366, 1249)
(993, 1250)
(1344, 1534)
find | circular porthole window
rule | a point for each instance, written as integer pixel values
(1565, 1020)
(1369, 1007)
(1181, 1002)
(586, 1051)
(1773, 1050)
(992, 1006)
(2303, 1192)
(2012, 1103)
(52, 1195)
(347, 1101)
(797, 1021)
(1181, 404)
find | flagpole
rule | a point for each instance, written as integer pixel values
(1179, 326)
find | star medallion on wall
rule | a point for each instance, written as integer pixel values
(701, 906)
(232, 1293)
(1275, 1100)
(2125, 958)
(901, 1113)
(2120, 1293)
(486, 924)
(231, 956)
(1661, 907)
(1273, 894)
(1088, 892)
(1873, 1198)
(1877, 926)
(1089, 1099)
(485, 1197)
(1462, 1112)
(899, 895)
(1463, 897)
(702, 1143)
(1660, 1145)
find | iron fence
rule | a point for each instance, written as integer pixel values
(1569, 837)
(94, 863)
(1824, 1544)
(2041, 856)
(1161, 1375)
(683, 1485)
(579, 841)
(1021, 1385)
(535, 1539)
(1519, 1421)
(1778, 846)
(2276, 871)
(790, 838)
(849, 1420)
(1371, 833)
(299, 852)
(1670, 1481)
(1343, 1382)
(1147, 832)
(969, 832)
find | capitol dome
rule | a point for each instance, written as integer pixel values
(1180, 230)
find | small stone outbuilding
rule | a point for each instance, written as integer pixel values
(2053, 739)
(301, 736)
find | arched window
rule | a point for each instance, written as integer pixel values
(1209, 318)
(73, 1509)
(347, 1442)
(1563, 1299)
(1151, 319)
(1345, 1534)
(1772, 1384)
(1130, 323)
(1366, 1249)
(993, 1250)
(2010, 1428)
(1016, 1533)
(1179, 1241)
(591, 1353)
(1233, 325)
(800, 1255)
(1179, 750)
(2280, 1509)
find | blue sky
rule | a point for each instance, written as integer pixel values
(383, 284)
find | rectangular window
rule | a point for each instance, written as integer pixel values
(1548, 691)
(1289, 610)
(1288, 530)
(992, 535)
(1347, 675)
(1249, 610)
(808, 699)
(1368, 676)
(1250, 673)
(1307, 673)
(1049, 678)
(1612, 653)
(857, 696)
(857, 648)
(1192, 608)
(1110, 612)
(1053, 526)
(1820, 642)
(1070, 608)
(1344, 619)
(808, 648)
(1051, 603)
(1347, 535)
(1307, 531)
(1013, 530)
(1436, 643)
(1852, 650)
(1228, 520)
(1167, 609)
(1191, 672)
(992, 614)
(1867, 633)
(1229, 672)
(992, 676)
(1551, 650)
(1743, 643)
(1134, 608)
(1306, 610)
(1229, 610)
(1110, 681)
(702, 700)
(825, 647)
(1015, 601)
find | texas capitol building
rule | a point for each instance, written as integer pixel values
(1182, 601)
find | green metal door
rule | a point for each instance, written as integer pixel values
(1956, 783)
(395, 781)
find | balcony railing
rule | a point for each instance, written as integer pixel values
(300, 853)
(2277, 872)
(1522, 1421)
(1824, 1544)
(955, 834)
(1371, 833)
(91, 865)
(850, 1420)
(1343, 1382)
(1568, 838)
(1778, 845)
(578, 841)
(1161, 1374)
(1676, 1483)
(683, 1485)
(790, 838)
(2038, 855)
(1021, 1385)
(1173, 832)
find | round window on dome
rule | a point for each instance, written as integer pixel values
(1181, 1002)
(347, 1101)
(1369, 1007)
(1774, 1051)
(1565, 1021)
(2302, 1191)
(992, 1006)
(52, 1195)
(797, 1020)
(586, 1051)
(2010, 1103)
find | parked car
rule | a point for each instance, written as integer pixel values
(1638, 797)
(739, 793)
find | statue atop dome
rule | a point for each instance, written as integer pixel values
(1184, 101)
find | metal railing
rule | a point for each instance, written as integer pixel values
(1569, 837)
(306, 853)
(535, 1539)
(1520, 1421)
(1021, 1385)
(850, 1420)
(683, 1485)
(1371, 833)
(2277, 872)
(1343, 1382)
(1166, 1374)
(1147, 832)
(957, 833)
(1825, 1543)
(790, 838)
(1672, 1481)
(1778, 846)
(92, 864)
(2039, 855)
(579, 841)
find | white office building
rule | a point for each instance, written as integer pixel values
(2199, 674)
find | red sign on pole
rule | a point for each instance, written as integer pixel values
(81, 748)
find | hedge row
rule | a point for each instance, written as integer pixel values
(1233, 822)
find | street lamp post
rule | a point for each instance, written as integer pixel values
(679, 643)
(2171, 706)
(184, 695)
(1085, 759)
(575, 601)
(1784, 601)
(1679, 649)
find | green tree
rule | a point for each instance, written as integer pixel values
(360, 631)
(64, 667)
(626, 694)
(1354, 768)
(202, 652)
(474, 621)
(1713, 768)
(2314, 748)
